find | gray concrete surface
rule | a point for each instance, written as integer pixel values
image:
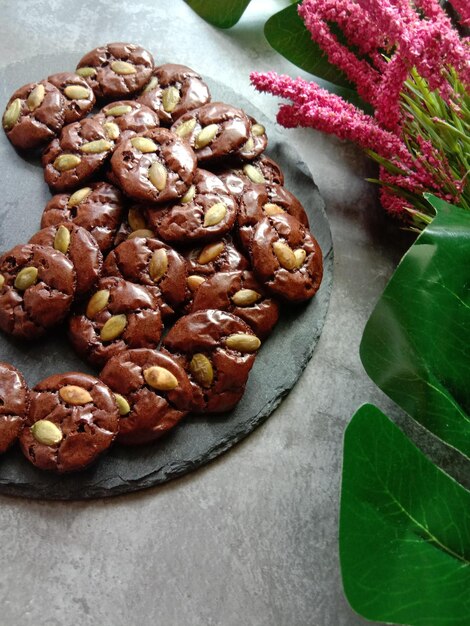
(250, 539)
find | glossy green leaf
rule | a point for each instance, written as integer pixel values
(416, 344)
(404, 529)
(287, 34)
(221, 13)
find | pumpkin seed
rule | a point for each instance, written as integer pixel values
(201, 370)
(210, 252)
(300, 256)
(160, 378)
(136, 219)
(158, 175)
(66, 162)
(118, 110)
(257, 130)
(12, 114)
(123, 405)
(46, 432)
(36, 97)
(26, 277)
(194, 282)
(2, 280)
(113, 328)
(73, 394)
(96, 147)
(243, 342)
(215, 214)
(142, 232)
(79, 196)
(189, 195)
(97, 303)
(151, 85)
(270, 208)
(77, 92)
(85, 72)
(62, 239)
(170, 98)
(158, 264)
(285, 255)
(206, 136)
(253, 173)
(112, 130)
(186, 128)
(144, 144)
(245, 297)
(123, 68)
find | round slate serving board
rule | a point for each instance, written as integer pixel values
(198, 439)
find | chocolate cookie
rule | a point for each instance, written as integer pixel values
(174, 90)
(217, 349)
(73, 419)
(79, 97)
(157, 166)
(77, 155)
(126, 118)
(116, 70)
(153, 393)
(79, 246)
(287, 258)
(260, 170)
(206, 212)
(14, 404)
(215, 130)
(155, 265)
(241, 294)
(256, 144)
(118, 316)
(37, 285)
(257, 201)
(97, 208)
(34, 115)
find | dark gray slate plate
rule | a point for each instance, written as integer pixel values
(198, 439)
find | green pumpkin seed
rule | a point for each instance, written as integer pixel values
(66, 162)
(123, 68)
(158, 264)
(62, 239)
(46, 432)
(151, 85)
(75, 395)
(245, 297)
(36, 97)
(285, 255)
(26, 277)
(206, 136)
(215, 214)
(79, 196)
(112, 130)
(189, 195)
(96, 147)
(201, 370)
(243, 342)
(160, 378)
(170, 98)
(77, 92)
(86, 72)
(158, 175)
(113, 328)
(118, 110)
(97, 303)
(257, 130)
(12, 114)
(253, 174)
(144, 144)
(186, 128)
(123, 405)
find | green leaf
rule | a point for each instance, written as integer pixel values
(416, 344)
(222, 14)
(404, 529)
(287, 34)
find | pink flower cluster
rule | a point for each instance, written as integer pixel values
(390, 38)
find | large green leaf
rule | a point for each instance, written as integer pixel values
(287, 34)
(404, 529)
(221, 13)
(416, 344)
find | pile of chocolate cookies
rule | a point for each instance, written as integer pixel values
(168, 248)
